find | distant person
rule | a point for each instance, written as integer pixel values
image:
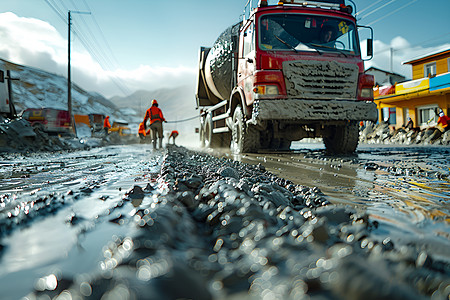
(173, 135)
(444, 121)
(106, 125)
(327, 36)
(155, 115)
(141, 132)
(409, 125)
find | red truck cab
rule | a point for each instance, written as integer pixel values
(290, 70)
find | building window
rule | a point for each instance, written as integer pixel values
(428, 115)
(430, 70)
(389, 115)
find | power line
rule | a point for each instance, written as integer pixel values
(90, 42)
(56, 11)
(101, 33)
(377, 9)
(392, 12)
(423, 44)
(363, 10)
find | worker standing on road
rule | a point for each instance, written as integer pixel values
(154, 114)
(173, 135)
(106, 125)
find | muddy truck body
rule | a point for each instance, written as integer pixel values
(271, 79)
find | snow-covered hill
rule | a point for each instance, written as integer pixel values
(37, 88)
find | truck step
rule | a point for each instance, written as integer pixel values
(221, 130)
(220, 117)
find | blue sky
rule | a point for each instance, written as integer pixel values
(151, 44)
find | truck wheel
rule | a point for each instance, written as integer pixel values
(211, 140)
(342, 139)
(244, 138)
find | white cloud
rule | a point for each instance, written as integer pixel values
(36, 43)
(402, 51)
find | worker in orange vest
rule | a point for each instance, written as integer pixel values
(173, 135)
(106, 125)
(141, 132)
(444, 121)
(154, 114)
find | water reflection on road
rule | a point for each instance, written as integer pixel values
(405, 189)
(51, 203)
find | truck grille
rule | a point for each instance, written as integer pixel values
(320, 79)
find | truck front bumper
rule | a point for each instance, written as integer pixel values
(314, 110)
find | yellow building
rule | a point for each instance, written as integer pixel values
(421, 98)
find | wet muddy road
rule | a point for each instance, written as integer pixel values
(406, 189)
(63, 214)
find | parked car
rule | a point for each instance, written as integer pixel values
(50, 120)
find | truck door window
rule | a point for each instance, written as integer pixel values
(307, 33)
(248, 40)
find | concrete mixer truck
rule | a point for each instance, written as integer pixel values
(290, 70)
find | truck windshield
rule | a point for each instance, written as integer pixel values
(307, 33)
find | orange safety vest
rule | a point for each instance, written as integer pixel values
(154, 114)
(174, 134)
(106, 123)
(142, 129)
(444, 121)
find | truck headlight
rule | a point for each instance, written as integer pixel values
(266, 90)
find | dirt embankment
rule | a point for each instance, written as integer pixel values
(221, 229)
(18, 136)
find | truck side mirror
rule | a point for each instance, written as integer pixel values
(2, 76)
(369, 47)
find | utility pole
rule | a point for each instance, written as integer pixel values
(392, 60)
(69, 79)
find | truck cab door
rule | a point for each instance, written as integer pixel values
(247, 55)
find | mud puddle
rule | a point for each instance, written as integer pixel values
(57, 211)
(127, 222)
(406, 190)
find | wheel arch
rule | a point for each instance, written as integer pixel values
(237, 98)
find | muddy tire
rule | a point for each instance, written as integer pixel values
(244, 138)
(211, 140)
(342, 139)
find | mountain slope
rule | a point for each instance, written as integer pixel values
(37, 88)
